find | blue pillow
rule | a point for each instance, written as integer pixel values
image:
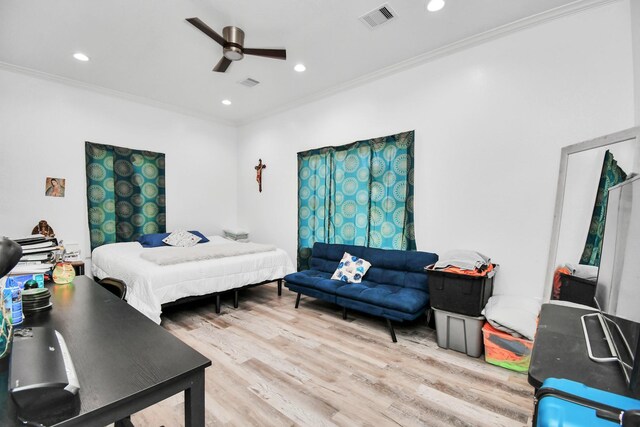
(155, 240)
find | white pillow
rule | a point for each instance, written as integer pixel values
(182, 239)
(351, 269)
(513, 313)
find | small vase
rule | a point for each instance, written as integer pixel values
(63, 273)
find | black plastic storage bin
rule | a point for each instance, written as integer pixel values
(578, 290)
(459, 293)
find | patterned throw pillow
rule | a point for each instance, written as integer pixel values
(181, 238)
(351, 269)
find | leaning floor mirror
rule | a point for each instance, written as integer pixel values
(587, 170)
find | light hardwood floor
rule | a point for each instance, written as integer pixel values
(277, 366)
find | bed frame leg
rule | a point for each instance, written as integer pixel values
(391, 331)
(344, 313)
(279, 287)
(217, 303)
(125, 422)
(235, 299)
(298, 300)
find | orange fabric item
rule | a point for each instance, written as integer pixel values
(500, 356)
(555, 294)
(476, 272)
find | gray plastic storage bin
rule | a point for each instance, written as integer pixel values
(459, 332)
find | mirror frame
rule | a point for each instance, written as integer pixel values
(614, 138)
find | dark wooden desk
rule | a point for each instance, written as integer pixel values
(560, 351)
(123, 360)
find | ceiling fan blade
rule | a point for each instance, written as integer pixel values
(269, 53)
(222, 65)
(196, 22)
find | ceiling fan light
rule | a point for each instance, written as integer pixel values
(435, 5)
(233, 53)
(81, 56)
(226, 102)
(300, 68)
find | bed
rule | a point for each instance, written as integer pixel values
(150, 285)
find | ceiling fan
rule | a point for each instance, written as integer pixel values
(232, 41)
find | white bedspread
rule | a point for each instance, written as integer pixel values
(174, 255)
(150, 285)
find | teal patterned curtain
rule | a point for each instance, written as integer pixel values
(125, 193)
(357, 194)
(611, 175)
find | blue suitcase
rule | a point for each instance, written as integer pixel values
(565, 403)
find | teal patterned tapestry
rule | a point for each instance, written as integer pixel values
(357, 194)
(611, 175)
(125, 193)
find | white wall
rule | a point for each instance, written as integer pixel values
(43, 127)
(489, 121)
(635, 32)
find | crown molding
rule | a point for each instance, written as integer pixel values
(115, 93)
(489, 35)
(495, 33)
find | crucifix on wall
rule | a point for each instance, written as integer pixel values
(259, 169)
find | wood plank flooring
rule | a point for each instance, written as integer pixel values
(277, 366)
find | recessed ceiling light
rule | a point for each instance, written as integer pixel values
(81, 57)
(435, 5)
(299, 68)
(226, 102)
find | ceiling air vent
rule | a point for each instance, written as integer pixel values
(378, 16)
(249, 82)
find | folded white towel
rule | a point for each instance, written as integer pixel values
(235, 231)
(465, 259)
(589, 272)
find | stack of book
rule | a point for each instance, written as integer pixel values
(38, 254)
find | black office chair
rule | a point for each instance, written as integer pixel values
(115, 286)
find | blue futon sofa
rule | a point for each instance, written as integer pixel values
(395, 286)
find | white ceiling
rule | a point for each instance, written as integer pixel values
(146, 48)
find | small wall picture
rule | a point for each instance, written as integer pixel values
(54, 187)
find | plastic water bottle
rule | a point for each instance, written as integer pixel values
(6, 297)
(12, 295)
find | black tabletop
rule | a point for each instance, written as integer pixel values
(117, 352)
(560, 351)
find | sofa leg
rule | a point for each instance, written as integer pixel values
(298, 300)
(279, 287)
(344, 313)
(235, 299)
(217, 303)
(391, 331)
(428, 315)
